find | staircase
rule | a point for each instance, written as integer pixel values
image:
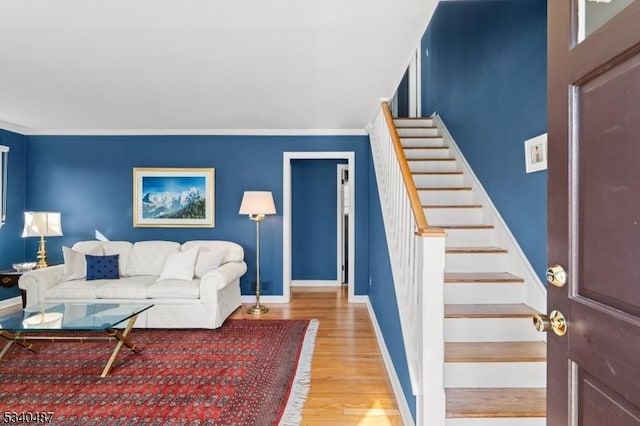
(495, 362)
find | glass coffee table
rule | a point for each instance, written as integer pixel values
(56, 321)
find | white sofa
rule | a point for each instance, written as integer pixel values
(147, 271)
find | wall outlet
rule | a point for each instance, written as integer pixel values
(370, 282)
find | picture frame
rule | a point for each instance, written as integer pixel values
(173, 197)
(535, 153)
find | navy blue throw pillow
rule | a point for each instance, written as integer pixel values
(102, 267)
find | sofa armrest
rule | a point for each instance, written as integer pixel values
(37, 281)
(221, 277)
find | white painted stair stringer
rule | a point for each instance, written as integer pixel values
(535, 294)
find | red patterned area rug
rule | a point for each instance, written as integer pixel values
(248, 372)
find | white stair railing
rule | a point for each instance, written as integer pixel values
(416, 252)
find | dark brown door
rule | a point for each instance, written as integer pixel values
(594, 212)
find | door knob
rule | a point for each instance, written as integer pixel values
(554, 321)
(556, 275)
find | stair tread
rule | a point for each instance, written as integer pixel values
(481, 277)
(425, 147)
(488, 310)
(495, 351)
(455, 172)
(495, 402)
(431, 159)
(452, 206)
(444, 188)
(475, 250)
(464, 226)
(413, 138)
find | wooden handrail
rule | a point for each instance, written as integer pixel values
(422, 226)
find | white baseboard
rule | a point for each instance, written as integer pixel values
(264, 299)
(10, 303)
(358, 299)
(405, 412)
(315, 283)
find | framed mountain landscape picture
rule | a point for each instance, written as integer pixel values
(173, 197)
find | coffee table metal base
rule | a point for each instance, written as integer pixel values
(122, 338)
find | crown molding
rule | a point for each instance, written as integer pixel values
(169, 132)
(13, 128)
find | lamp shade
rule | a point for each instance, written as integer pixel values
(257, 202)
(42, 224)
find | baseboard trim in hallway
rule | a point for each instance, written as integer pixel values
(405, 412)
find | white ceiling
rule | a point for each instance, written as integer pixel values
(202, 66)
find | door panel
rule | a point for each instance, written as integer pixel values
(597, 406)
(594, 218)
(609, 186)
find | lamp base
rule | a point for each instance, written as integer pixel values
(42, 254)
(257, 309)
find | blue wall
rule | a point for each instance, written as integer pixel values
(89, 180)
(314, 225)
(382, 294)
(485, 75)
(11, 244)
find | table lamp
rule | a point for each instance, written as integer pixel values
(257, 204)
(42, 224)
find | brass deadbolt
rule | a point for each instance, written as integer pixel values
(556, 275)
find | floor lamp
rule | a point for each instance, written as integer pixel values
(257, 204)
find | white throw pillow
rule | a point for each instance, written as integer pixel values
(208, 260)
(179, 266)
(75, 264)
(149, 257)
(122, 249)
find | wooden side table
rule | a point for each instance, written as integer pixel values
(9, 278)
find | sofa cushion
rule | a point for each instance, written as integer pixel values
(102, 267)
(129, 288)
(208, 260)
(88, 247)
(148, 257)
(122, 249)
(75, 289)
(179, 266)
(75, 265)
(233, 251)
(174, 289)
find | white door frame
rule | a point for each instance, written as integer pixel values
(340, 220)
(415, 84)
(286, 214)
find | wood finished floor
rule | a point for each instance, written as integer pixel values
(349, 384)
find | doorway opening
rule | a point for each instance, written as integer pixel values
(287, 217)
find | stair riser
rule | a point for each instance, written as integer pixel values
(457, 216)
(432, 166)
(438, 180)
(440, 152)
(405, 122)
(402, 132)
(445, 197)
(495, 374)
(473, 262)
(422, 142)
(470, 237)
(483, 293)
(490, 330)
(523, 421)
